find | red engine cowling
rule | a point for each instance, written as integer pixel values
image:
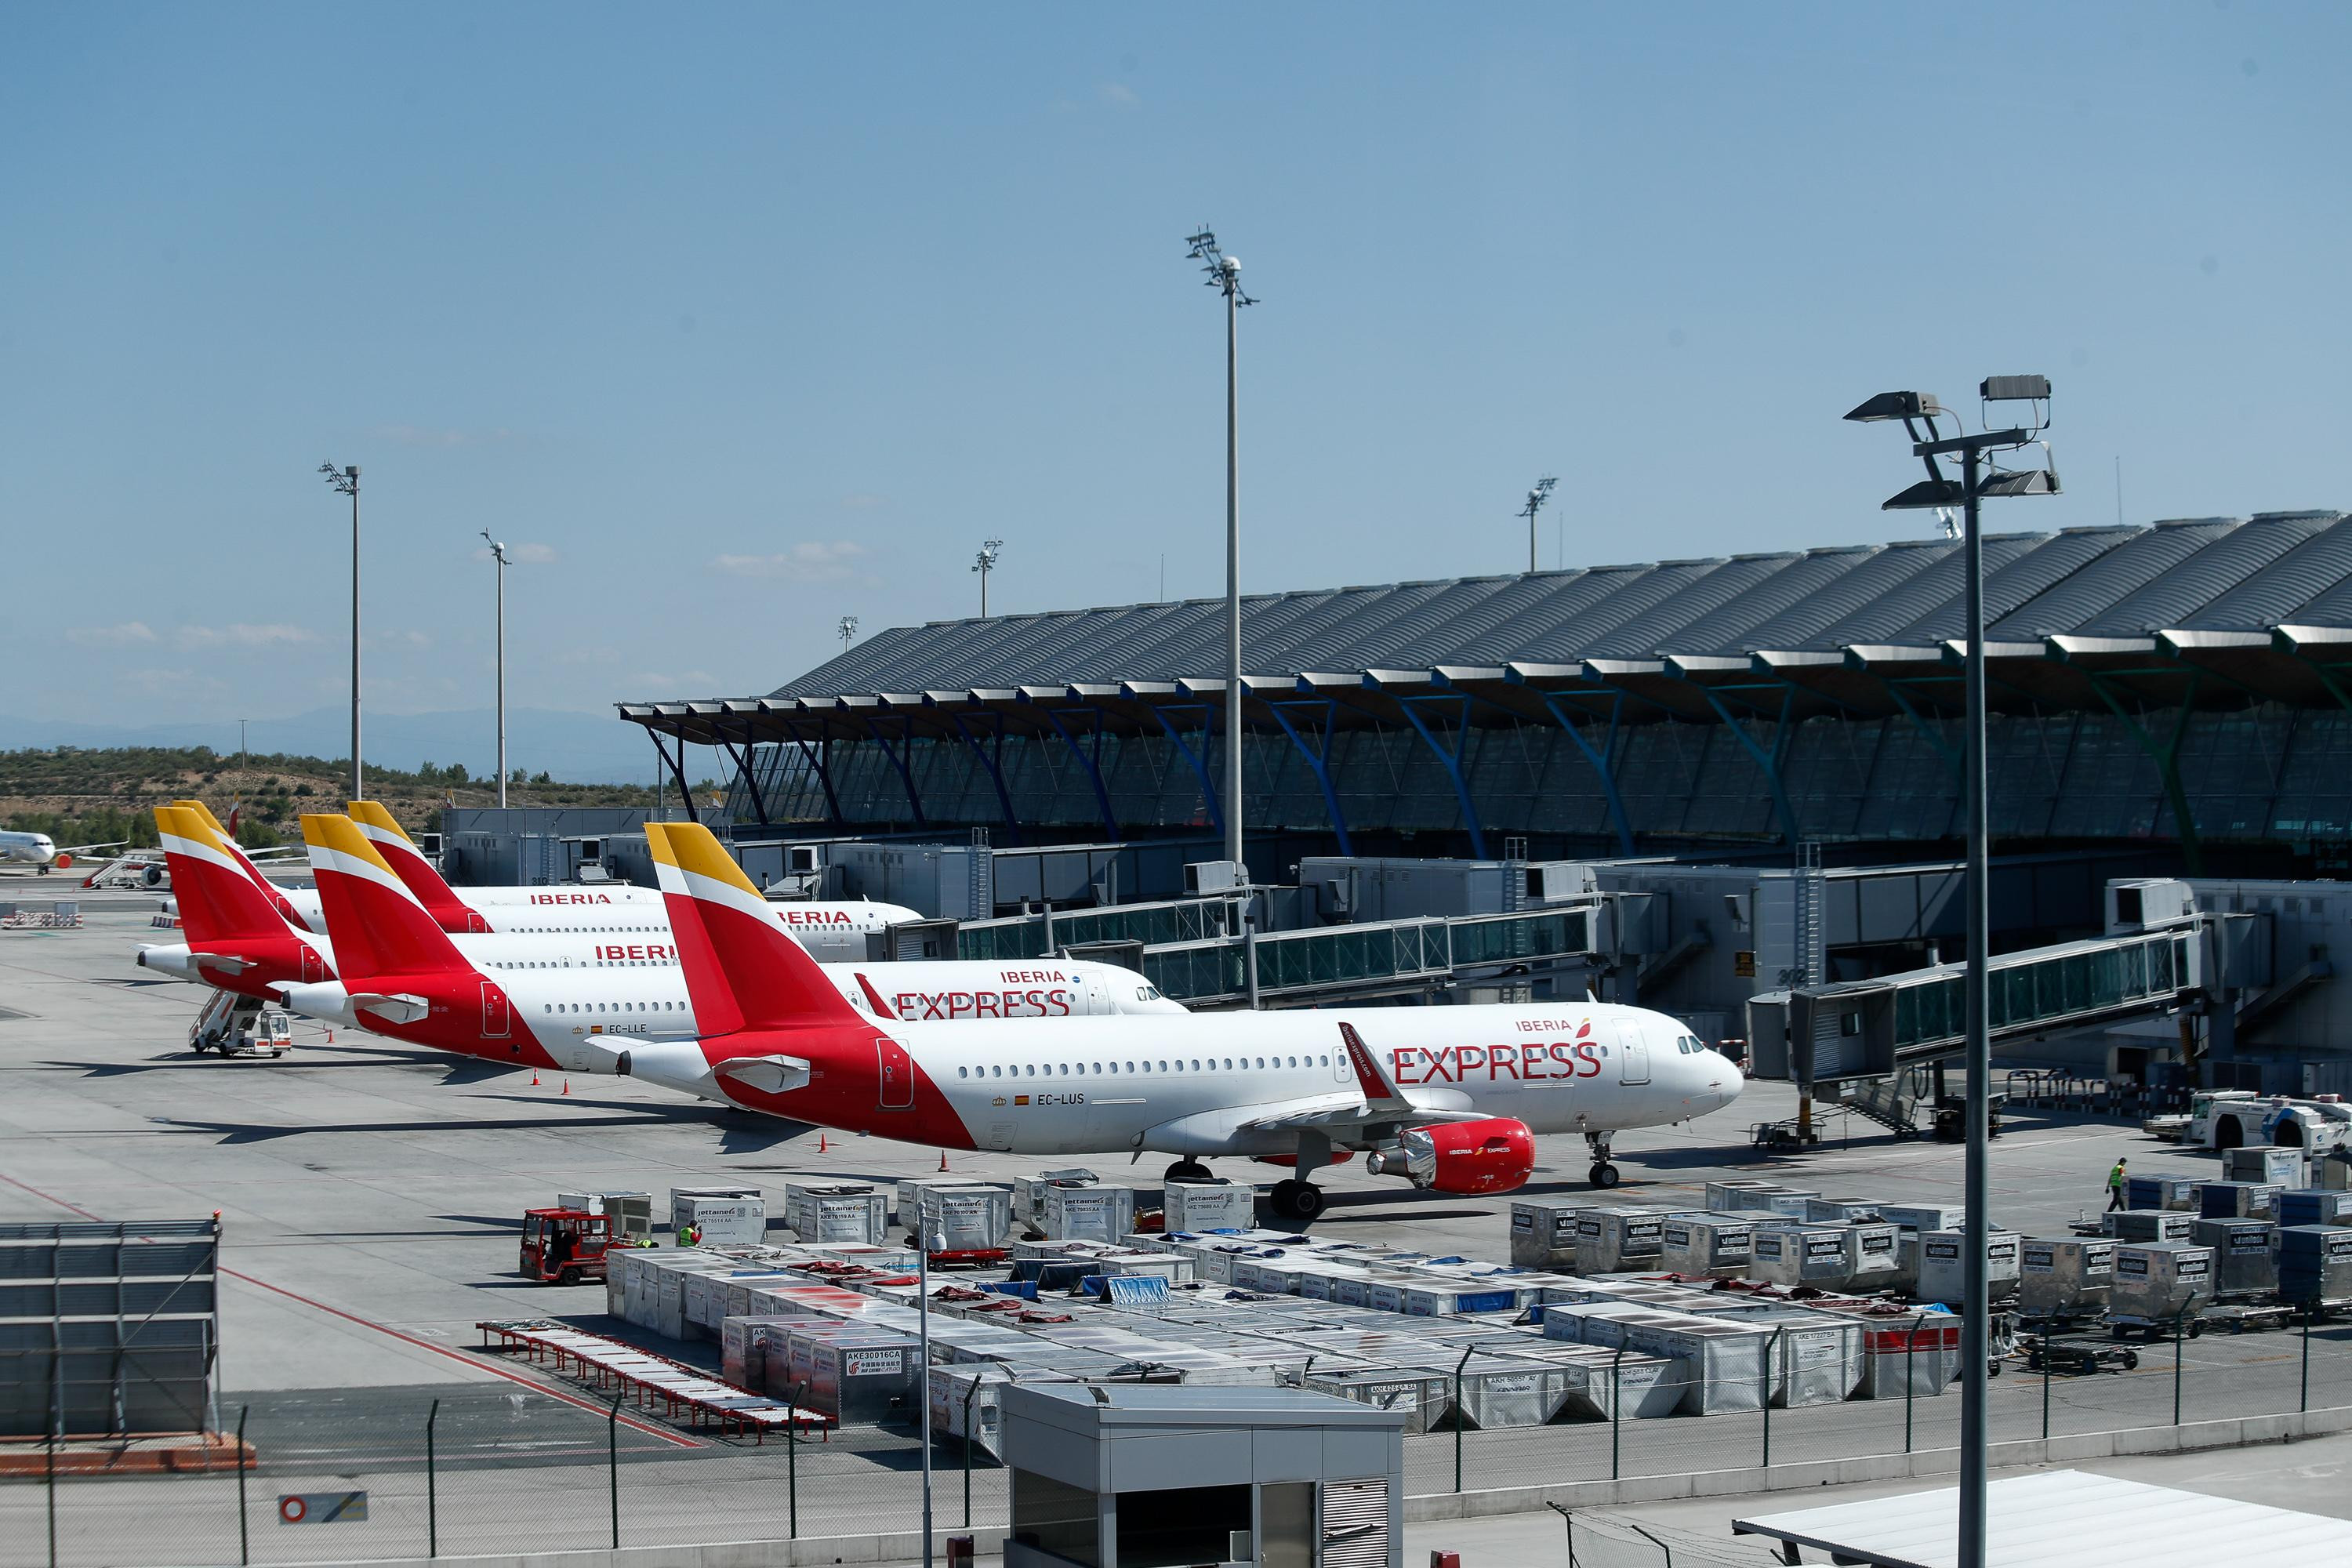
(1496, 1155)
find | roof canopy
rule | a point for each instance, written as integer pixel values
(2209, 612)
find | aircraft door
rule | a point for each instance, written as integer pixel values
(313, 970)
(1633, 1054)
(898, 1071)
(495, 1018)
(1098, 998)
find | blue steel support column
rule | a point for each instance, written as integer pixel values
(1603, 763)
(1770, 762)
(995, 772)
(743, 761)
(906, 774)
(1950, 754)
(2166, 758)
(678, 771)
(1094, 772)
(1198, 758)
(824, 775)
(1320, 766)
(1452, 763)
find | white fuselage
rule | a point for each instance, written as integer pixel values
(1196, 1085)
(622, 977)
(28, 849)
(831, 932)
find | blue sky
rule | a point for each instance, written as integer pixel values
(738, 320)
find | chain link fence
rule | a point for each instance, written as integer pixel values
(468, 1469)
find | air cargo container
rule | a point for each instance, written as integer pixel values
(2238, 1200)
(2146, 1224)
(1072, 1213)
(1543, 1231)
(2159, 1281)
(2176, 1192)
(2315, 1263)
(835, 1212)
(2266, 1164)
(1716, 1245)
(1943, 1263)
(1614, 1240)
(1196, 1206)
(2314, 1205)
(2065, 1274)
(2244, 1261)
(1790, 1253)
(1742, 1196)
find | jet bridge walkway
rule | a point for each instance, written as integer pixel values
(1197, 953)
(1871, 1028)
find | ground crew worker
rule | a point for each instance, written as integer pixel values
(688, 1235)
(2116, 1187)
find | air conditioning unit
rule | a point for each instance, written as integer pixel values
(1203, 878)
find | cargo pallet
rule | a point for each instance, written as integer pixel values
(2123, 1326)
(2076, 1359)
(2245, 1316)
(2044, 1325)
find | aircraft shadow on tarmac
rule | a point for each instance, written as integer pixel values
(188, 1061)
(255, 1132)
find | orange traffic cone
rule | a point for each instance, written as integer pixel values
(820, 1142)
(943, 1159)
(534, 1078)
(567, 1086)
(331, 1036)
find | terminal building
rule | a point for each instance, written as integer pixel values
(1703, 785)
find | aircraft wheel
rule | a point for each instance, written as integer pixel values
(1297, 1201)
(1604, 1175)
(1186, 1171)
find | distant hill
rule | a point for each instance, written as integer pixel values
(88, 795)
(583, 748)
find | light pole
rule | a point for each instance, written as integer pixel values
(346, 481)
(1536, 498)
(1976, 482)
(499, 554)
(848, 626)
(923, 1242)
(984, 564)
(1226, 277)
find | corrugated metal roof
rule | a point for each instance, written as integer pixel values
(2205, 573)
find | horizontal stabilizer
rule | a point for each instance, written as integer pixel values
(768, 1075)
(404, 1008)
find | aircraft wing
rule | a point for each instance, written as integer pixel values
(1342, 1120)
(88, 848)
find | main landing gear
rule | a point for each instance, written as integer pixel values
(1297, 1201)
(1602, 1173)
(1188, 1171)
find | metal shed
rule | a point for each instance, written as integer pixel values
(1201, 1474)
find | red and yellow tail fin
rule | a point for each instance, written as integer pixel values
(741, 970)
(218, 901)
(377, 925)
(228, 844)
(379, 828)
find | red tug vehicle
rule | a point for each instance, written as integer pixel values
(564, 1247)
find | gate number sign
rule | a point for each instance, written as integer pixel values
(322, 1508)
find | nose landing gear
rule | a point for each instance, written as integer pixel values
(1187, 1171)
(1602, 1173)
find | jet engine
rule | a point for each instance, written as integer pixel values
(1496, 1155)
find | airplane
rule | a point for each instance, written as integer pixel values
(399, 972)
(40, 850)
(1288, 1088)
(834, 930)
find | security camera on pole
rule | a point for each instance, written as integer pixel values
(1978, 479)
(1226, 276)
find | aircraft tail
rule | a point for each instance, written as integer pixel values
(377, 925)
(379, 828)
(217, 900)
(741, 970)
(227, 837)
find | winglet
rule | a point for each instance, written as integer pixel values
(734, 953)
(377, 925)
(1378, 1090)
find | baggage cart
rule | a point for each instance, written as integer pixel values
(2074, 1357)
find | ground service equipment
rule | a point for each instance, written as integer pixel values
(564, 1247)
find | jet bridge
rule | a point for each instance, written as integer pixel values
(1872, 1028)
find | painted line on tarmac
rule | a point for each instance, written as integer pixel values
(459, 1356)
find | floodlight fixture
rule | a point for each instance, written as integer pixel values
(1226, 277)
(2013, 389)
(2027, 482)
(345, 480)
(845, 630)
(984, 564)
(1224, 271)
(1927, 495)
(1897, 405)
(1536, 498)
(499, 554)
